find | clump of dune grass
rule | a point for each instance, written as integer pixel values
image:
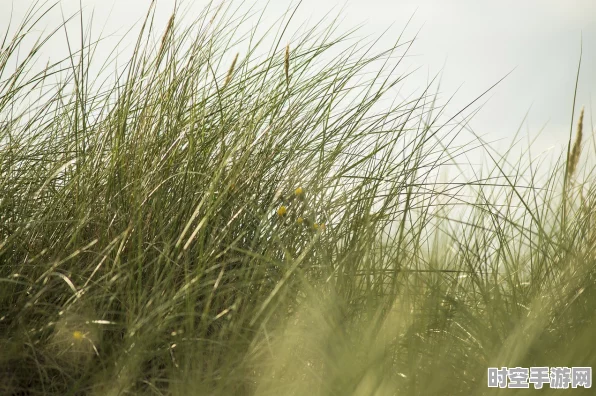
(289, 234)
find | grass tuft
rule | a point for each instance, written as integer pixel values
(161, 235)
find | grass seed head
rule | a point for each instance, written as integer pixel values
(166, 36)
(576, 150)
(231, 71)
(287, 64)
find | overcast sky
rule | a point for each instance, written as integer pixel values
(477, 42)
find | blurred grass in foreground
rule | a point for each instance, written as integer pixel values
(194, 226)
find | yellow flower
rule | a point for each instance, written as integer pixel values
(299, 191)
(77, 335)
(315, 226)
(322, 226)
(281, 212)
(299, 220)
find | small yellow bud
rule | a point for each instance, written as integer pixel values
(281, 212)
(315, 226)
(77, 335)
(299, 220)
(299, 191)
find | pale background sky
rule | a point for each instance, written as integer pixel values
(477, 42)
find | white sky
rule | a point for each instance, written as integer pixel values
(478, 41)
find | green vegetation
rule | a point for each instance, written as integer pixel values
(271, 223)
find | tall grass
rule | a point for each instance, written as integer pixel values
(210, 223)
